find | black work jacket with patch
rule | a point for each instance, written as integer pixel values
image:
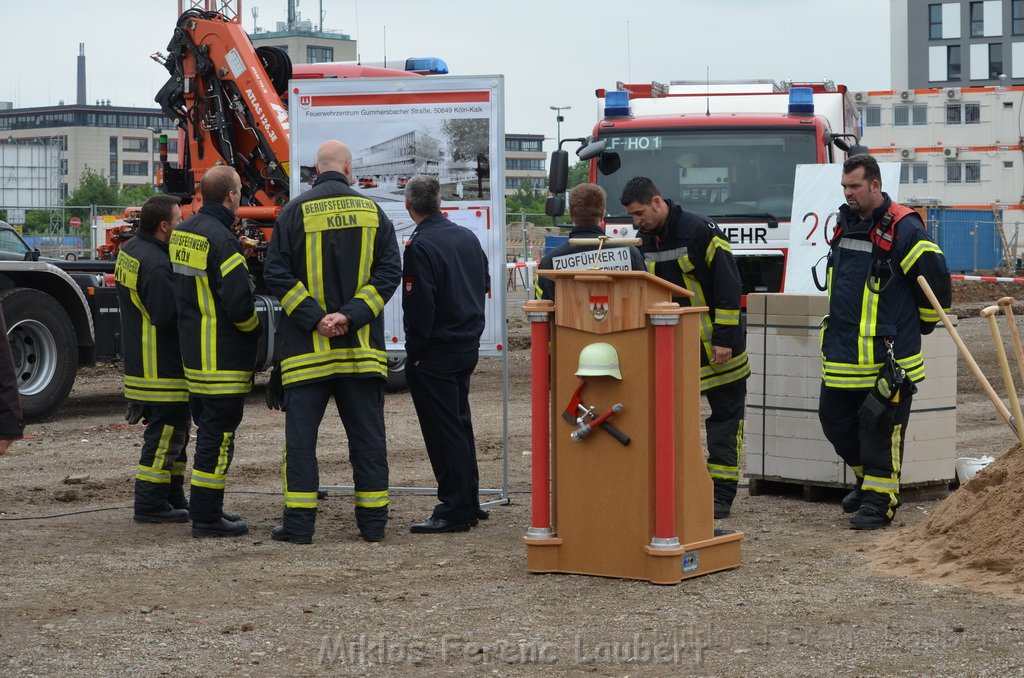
(153, 372)
(568, 256)
(332, 250)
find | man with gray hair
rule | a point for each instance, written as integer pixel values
(445, 282)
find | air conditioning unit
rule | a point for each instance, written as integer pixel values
(950, 152)
(953, 93)
(905, 153)
(906, 95)
(860, 97)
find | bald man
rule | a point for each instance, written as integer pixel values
(218, 330)
(333, 261)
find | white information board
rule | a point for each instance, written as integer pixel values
(449, 127)
(817, 195)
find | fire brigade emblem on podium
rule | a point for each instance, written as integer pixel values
(599, 308)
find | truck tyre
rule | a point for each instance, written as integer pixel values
(44, 348)
(396, 376)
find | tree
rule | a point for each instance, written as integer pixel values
(468, 141)
(579, 173)
(93, 189)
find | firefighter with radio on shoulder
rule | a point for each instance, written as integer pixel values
(871, 337)
(691, 251)
(586, 211)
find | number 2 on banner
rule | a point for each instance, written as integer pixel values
(825, 232)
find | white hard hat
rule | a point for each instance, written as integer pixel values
(599, 360)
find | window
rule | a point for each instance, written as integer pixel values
(524, 164)
(963, 114)
(522, 144)
(953, 63)
(136, 168)
(972, 172)
(872, 116)
(977, 19)
(319, 55)
(967, 172)
(901, 116)
(1007, 164)
(919, 114)
(995, 60)
(914, 173)
(113, 147)
(135, 145)
(172, 146)
(935, 21)
(1018, 17)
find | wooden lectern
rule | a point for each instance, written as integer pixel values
(637, 511)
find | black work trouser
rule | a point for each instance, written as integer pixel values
(163, 454)
(725, 436)
(439, 385)
(360, 403)
(216, 420)
(875, 456)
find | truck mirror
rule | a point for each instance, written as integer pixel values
(609, 163)
(592, 150)
(554, 206)
(558, 177)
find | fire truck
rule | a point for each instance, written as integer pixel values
(229, 102)
(727, 150)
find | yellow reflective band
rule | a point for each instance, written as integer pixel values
(372, 299)
(213, 481)
(708, 382)
(372, 499)
(295, 296)
(309, 373)
(334, 354)
(365, 256)
(126, 270)
(156, 396)
(250, 324)
(217, 375)
(153, 382)
(178, 468)
(147, 332)
(152, 474)
(894, 450)
(724, 472)
(868, 322)
(650, 267)
(189, 249)
(342, 212)
(231, 263)
(915, 253)
(302, 500)
(727, 316)
(929, 315)
(717, 243)
(883, 485)
(315, 282)
(207, 325)
(160, 457)
(223, 453)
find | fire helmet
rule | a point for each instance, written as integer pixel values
(599, 360)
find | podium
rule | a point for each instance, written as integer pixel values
(643, 510)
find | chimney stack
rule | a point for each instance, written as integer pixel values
(81, 74)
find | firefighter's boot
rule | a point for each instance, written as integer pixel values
(725, 444)
(851, 502)
(206, 508)
(151, 504)
(371, 522)
(296, 527)
(875, 511)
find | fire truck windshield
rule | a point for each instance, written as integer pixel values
(715, 172)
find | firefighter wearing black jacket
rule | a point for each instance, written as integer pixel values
(690, 250)
(334, 263)
(871, 337)
(218, 330)
(445, 284)
(154, 381)
(586, 211)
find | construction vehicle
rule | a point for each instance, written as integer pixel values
(727, 150)
(225, 96)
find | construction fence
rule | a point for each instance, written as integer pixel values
(63, 231)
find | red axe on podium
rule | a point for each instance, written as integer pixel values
(576, 405)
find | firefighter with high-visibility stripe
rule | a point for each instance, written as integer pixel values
(871, 337)
(691, 251)
(218, 330)
(154, 381)
(334, 262)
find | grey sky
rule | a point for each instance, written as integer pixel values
(551, 52)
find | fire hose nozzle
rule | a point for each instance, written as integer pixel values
(585, 429)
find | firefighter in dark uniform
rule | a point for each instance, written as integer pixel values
(154, 380)
(691, 251)
(871, 337)
(586, 211)
(334, 263)
(218, 331)
(12, 423)
(445, 284)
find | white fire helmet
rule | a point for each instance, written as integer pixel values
(599, 360)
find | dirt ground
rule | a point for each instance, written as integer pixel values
(85, 591)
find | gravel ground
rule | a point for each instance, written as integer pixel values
(85, 591)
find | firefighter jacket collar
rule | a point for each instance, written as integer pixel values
(854, 225)
(331, 176)
(219, 212)
(586, 231)
(430, 220)
(149, 237)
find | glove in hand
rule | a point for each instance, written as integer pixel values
(136, 413)
(275, 390)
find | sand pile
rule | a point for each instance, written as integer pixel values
(975, 538)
